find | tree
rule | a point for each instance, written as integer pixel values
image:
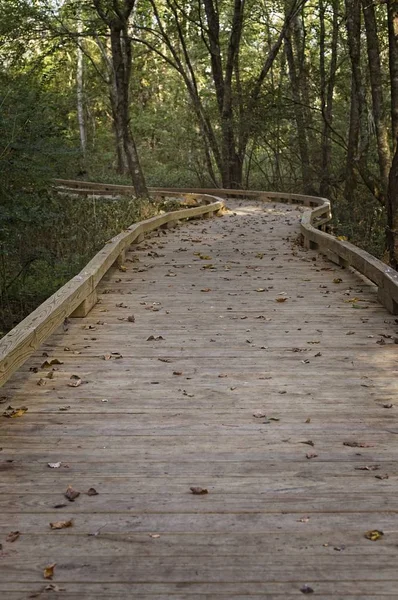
(116, 15)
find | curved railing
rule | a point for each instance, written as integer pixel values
(78, 296)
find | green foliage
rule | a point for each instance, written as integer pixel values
(45, 239)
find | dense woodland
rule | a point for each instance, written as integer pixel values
(293, 95)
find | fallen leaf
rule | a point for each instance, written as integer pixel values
(206, 290)
(122, 268)
(381, 476)
(259, 415)
(131, 319)
(48, 572)
(306, 589)
(261, 290)
(61, 524)
(52, 587)
(71, 494)
(12, 413)
(165, 360)
(154, 338)
(280, 299)
(337, 280)
(357, 445)
(368, 468)
(177, 373)
(199, 490)
(55, 465)
(303, 520)
(13, 536)
(155, 536)
(307, 420)
(389, 405)
(308, 442)
(374, 535)
(339, 548)
(50, 363)
(76, 381)
(311, 455)
(92, 492)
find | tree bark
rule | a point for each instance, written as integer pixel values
(375, 74)
(80, 93)
(392, 18)
(299, 116)
(117, 21)
(392, 213)
(326, 92)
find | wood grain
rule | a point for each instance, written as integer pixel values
(154, 417)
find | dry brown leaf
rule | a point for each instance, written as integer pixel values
(12, 413)
(177, 373)
(337, 280)
(368, 468)
(310, 455)
(75, 381)
(92, 492)
(50, 363)
(308, 420)
(199, 490)
(48, 572)
(357, 445)
(61, 524)
(206, 290)
(259, 414)
(71, 494)
(13, 536)
(280, 299)
(131, 319)
(306, 589)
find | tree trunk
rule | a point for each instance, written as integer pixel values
(326, 92)
(121, 68)
(121, 58)
(80, 93)
(353, 21)
(299, 116)
(392, 213)
(392, 12)
(375, 73)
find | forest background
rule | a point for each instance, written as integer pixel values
(291, 95)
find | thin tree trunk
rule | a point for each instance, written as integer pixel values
(80, 93)
(375, 73)
(299, 116)
(392, 213)
(353, 21)
(327, 90)
(121, 66)
(392, 12)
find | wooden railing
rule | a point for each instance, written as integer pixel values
(78, 296)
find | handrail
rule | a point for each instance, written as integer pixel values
(338, 251)
(78, 296)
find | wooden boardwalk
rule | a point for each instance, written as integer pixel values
(270, 381)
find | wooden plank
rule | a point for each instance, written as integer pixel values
(272, 517)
